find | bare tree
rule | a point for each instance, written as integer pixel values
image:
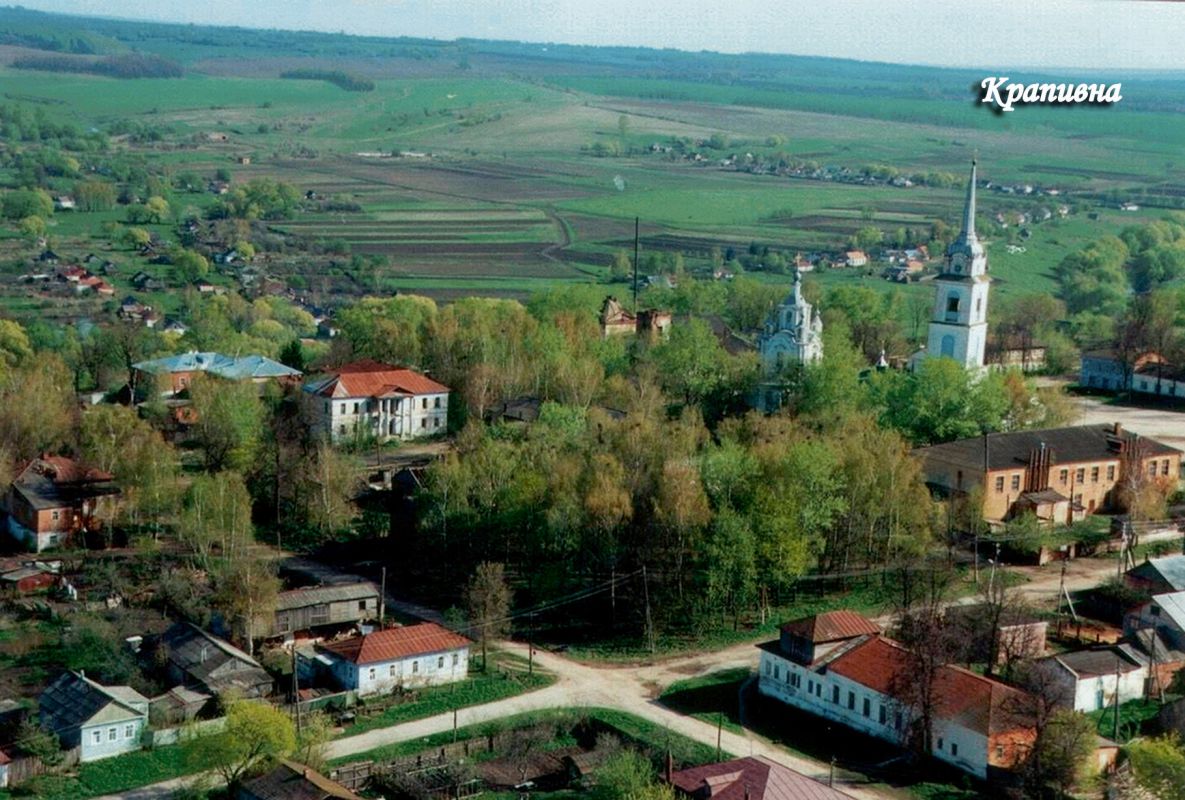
(488, 599)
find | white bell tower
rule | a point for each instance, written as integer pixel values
(958, 327)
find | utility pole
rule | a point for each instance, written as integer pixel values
(454, 726)
(531, 643)
(636, 224)
(719, 729)
(383, 598)
(649, 621)
(1115, 736)
(296, 688)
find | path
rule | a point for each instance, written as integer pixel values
(634, 689)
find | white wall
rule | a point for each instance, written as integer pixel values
(126, 739)
(384, 677)
(390, 418)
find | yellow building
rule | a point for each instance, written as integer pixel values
(1060, 474)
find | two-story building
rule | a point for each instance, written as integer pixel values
(174, 374)
(837, 667)
(53, 498)
(313, 607)
(1059, 474)
(397, 658)
(101, 721)
(369, 398)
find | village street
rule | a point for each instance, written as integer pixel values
(633, 689)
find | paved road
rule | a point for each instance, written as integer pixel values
(634, 689)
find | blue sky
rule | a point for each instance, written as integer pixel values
(992, 34)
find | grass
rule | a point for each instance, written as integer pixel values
(629, 727)
(1134, 717)
(478, 689)
(713, 698)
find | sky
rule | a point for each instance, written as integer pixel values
(1112, 35)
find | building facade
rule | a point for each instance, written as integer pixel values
(398, 658)
(101, 721)
(958, 326)
(312, 607)
(1088, 680)
(793, 335)
(174, 374)
(368, 398)
(54, 498)
(1059, 474)
(855, 679)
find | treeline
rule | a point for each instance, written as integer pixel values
(127, 65)
(342, 80)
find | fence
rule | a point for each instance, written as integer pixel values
(163, 736)
(25, 767)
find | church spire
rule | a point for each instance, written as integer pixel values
(969, 208)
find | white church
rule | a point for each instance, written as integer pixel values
(793, 334)
(958, 327)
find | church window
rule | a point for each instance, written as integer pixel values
(948, 346)
(952, 303)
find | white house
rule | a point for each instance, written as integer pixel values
(102, 721)
(371, 398)
(1087, 680)
(836, 666)
(397, 658)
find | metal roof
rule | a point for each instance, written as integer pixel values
(73, 700)
(1173, 606)
(1066, 446)
(317, 595)
(228, 367)
(1171, 569)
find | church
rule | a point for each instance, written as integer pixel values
(958, 326)
(793, 334)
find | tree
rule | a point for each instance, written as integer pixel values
(94, 195)
(32, 227)
(1062, 752)
(190, 266)
(628, 775)
(39, 743)
(21, 203)
(253, 732)
(37, 408)
(488, 598)
(229, 421)
(245, 591)
(136, 238)
(156, 209)
(1159, 766)
(621, 267)
(216, 518)
(115, 439)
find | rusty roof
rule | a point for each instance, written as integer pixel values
(396, 643)
(369, 378)
(831, 626)
(963, 697)
(752, 778)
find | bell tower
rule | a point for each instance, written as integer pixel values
(958, 327)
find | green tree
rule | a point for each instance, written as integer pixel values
(488, 598)
(628, 775)
(229, 421)
(1063, 752)
(621, 268)
(136, 237)
(190, 266)
(216, 519)
(32, 228)
(21, 203)
(1159, 766)
(254, 732)
(94, 195)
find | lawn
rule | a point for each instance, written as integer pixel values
(712, 698)
(480, 688)
(1134, 719)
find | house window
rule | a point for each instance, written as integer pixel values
(777, 672)
(999, 483)
(355, 407)
(954, 748)
(1111, 472)
(97, 737)
(54, 515)
(1094, 474)
(456, 659)
(768, 668)
(999, 751)
(835, 694)
(329, 408)
(424, 423)
(952, 304)
(112, 734)
(1015, 482)
(129, 731)
(1154, 611)
(437, 404)
(882, 715)
(343, 408)
(1080, 475)
(1152, 470)
(392, 670)
(440, 663)
(361, 605)
(851, 701)
(1164, 467)
(867, 707)
(1065, 476)
(415, 666)
(371, 673)
(810, 687)
(939, 742)
(425, 403)
(436, 422)
(341, 429)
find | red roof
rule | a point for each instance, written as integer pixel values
(370, 378)
(396, 643)
(831, 626)
(973, 701)
(753, 778)
(66, 470)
